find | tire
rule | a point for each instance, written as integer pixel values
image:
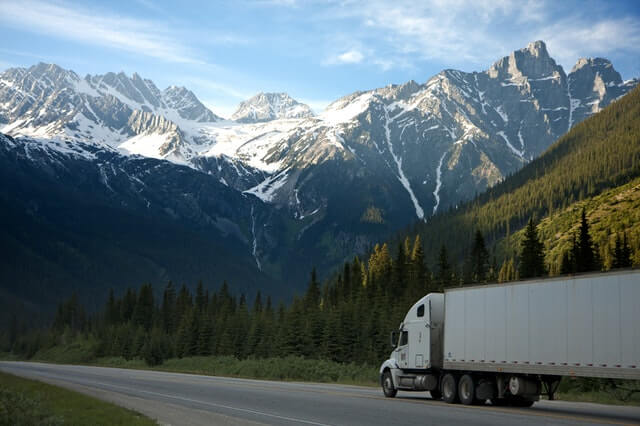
(467, 390)
(449, 389)
(436, 394)
(387, 385)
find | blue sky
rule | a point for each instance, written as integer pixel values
(317, 51)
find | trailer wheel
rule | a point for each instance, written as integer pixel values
(436, 394)
(449, 388)
(467, 390)
(387, 385)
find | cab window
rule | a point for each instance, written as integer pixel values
(421, 311)
(404, 338)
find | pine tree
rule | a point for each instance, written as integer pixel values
(332, 337)
(566, 264)
(205, 335)
(201, 299)
(154, 351)
(168, 309)
(532, 253)
(185, 335)
(128, 305)
(625, 258)
(617, 254)
(183, 304)
(444, 271)
(419, 271)
(143, 311)
(627, 253)
(241, 328)
(312, 298)
(585, 260)
(112, 315)
(399, 277)
(257, 304)
(479, 259)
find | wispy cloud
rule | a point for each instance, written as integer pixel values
(473, 32)
(218, 88)
(148, 38)
(571, 39)
(352, 56)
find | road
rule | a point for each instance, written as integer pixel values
(185, 399)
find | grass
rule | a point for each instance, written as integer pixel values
(290, 368)
(599, 397)
(29, 402)
(601, 391)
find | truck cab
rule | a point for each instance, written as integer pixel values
(417, 353)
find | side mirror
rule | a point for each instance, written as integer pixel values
(394, 339)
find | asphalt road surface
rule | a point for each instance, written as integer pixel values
(185, 399)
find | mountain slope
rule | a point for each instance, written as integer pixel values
(88, 220)
(600, 153)
(610, 214)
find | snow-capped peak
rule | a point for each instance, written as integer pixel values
(270, 106)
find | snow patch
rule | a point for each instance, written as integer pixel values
(513, 148)
(502, 114)
(343, 111)
(436, 192)
(401, 177)
(255, 240)
(521, 139)
(266, 190)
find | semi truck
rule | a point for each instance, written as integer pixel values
(510, 343)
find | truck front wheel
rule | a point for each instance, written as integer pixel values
(387, 385)
(449, 388)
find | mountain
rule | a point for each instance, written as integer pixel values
(595, 166)
(77, 218)
(270, 106)
(46, 101)
(299, 190)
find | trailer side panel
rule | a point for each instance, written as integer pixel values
(582, 326)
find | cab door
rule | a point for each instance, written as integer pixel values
(418, 356)
(419, 337)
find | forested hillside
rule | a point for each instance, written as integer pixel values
(612, 215)
(600, 153)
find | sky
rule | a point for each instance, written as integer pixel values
(317, 51)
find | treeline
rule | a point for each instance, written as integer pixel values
(345, 319)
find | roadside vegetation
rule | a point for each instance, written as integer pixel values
(28, 402)
(289, 368)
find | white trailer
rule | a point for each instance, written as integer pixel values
(509, 343)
